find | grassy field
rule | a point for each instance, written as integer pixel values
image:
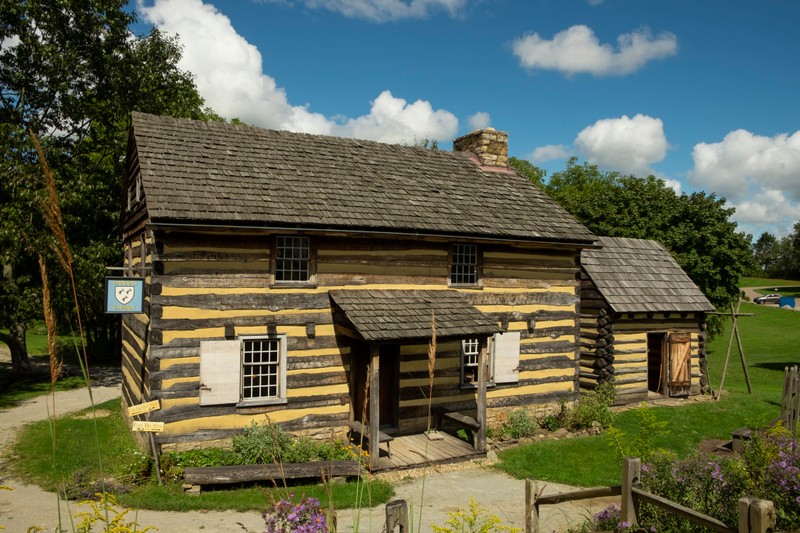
(767, 282)
(771, 340)
(77, 460)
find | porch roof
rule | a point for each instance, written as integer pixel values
(393, 315)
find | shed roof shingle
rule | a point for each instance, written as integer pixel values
(638, 276)
(217, 173)
(391, 315)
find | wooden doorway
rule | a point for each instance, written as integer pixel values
(656, 346)
(389, 377)
(388, 384)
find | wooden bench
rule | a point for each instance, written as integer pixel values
(443, 413)
(221, 475)
(359, 429)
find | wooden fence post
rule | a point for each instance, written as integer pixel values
(531, 506)
(744, 515)
(762, 516)
(756, 516)
(631, 474)
(397, 516)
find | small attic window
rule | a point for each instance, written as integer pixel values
(135, 190)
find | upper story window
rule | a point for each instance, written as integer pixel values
(292, 259)
(464, 264)
(135, 190)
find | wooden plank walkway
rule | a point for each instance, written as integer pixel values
(411, 451)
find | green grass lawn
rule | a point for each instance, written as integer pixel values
(767, 282)
(770, 338)
(77, 461)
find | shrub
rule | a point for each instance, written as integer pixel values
(642, 445)
(261, 444)
(521, 424)
(105, 513)
(267, 443)
(705, 483)
(550, 422)
(595, 407)
(303, 517)
(772, 460)
(474, 519)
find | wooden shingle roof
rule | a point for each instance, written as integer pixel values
(393, 315)
(638, 276)
(196, 172)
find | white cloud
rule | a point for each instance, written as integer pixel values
(768, 207)
(551, 152)
(675, 185)
(628, 145)
(393, 120)
(479, 121)
(383, 10)
(759, 175)
(743, 163)
(578, 50)
(229, 74)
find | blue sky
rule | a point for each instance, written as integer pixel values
(703, 93)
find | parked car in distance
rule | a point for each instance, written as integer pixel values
(768, 299)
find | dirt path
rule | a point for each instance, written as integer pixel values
(444, 491)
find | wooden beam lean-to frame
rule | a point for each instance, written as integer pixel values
(734, 333)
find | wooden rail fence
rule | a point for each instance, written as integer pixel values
(755, 516)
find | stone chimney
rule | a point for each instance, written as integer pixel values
(488, 145)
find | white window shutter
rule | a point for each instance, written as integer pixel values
(220, 372)
(505, 353)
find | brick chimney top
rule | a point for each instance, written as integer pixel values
(488, 145)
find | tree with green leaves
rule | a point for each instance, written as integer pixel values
(696, 228)
(71, 72)
(765, 252)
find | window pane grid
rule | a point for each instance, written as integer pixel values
(292, 259)
(464, 264)
(260, 368)
(470, 348)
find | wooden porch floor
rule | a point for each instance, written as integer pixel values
(410, 451)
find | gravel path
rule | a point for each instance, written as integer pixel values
(444, 489)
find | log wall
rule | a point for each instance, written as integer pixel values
(203, 284)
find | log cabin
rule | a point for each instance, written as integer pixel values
(299, 278)
(642, 322)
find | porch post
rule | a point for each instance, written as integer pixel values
(374, 405)
(483, 369)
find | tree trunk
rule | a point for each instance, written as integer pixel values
(20, 361)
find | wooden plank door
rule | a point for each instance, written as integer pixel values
(680, 368)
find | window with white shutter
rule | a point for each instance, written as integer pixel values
(249, 370)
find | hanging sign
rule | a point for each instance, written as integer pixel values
(150, 427)
(124, 295)
(142, 408)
